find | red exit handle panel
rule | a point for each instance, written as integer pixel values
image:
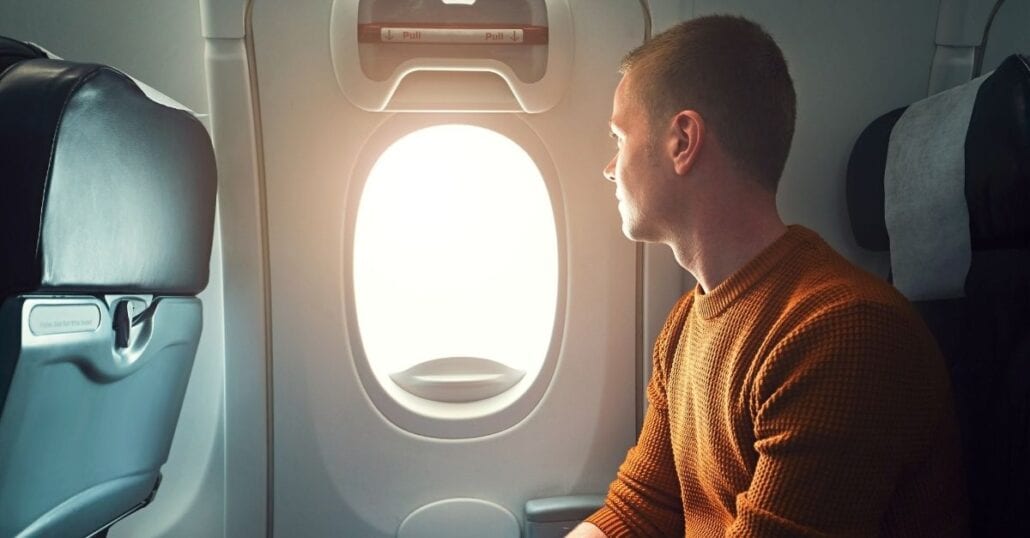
(455, 34)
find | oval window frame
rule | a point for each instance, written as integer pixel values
(408, 412)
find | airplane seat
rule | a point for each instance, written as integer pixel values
(944, 186)
(12, 52)
(107, 203)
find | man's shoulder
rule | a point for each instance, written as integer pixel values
(835, 288)
(852, 284)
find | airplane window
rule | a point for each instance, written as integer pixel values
(455, 253)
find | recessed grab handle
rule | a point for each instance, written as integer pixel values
(458, 379)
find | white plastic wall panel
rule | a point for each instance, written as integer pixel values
(1010, 33)
(340, 469)
(234, 130)
(960, 31)
(961, 23)
(157, 41)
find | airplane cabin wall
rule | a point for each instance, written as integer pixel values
(850, 62)
(157, 42)
(1009, 33)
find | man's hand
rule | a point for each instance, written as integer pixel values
(586, 530)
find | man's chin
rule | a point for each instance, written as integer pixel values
(634, 233)
(627, 230)
(641, 234)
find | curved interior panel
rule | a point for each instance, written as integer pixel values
(459, 518)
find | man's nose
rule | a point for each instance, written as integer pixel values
(609, 171)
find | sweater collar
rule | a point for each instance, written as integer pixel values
(716, 301)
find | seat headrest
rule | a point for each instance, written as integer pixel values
(997, 166)
(12, 52)
(104, 190)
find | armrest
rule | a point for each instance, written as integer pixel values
(555, 516)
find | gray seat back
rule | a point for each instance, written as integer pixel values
(107, 210)
(984, 329)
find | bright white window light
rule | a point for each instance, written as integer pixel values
(455, 252)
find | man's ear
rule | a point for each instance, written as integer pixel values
(688, 137)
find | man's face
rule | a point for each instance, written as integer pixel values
(636, 168)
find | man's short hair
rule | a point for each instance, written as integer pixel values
(732, 73)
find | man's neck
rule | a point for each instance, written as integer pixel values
(727, 242)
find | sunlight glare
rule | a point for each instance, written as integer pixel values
(455, 252)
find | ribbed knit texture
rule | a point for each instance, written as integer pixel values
(800, 397)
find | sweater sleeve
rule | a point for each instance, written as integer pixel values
(644, 499)
(840, 407)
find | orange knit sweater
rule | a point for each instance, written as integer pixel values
(800, 397)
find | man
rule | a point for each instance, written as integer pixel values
(792, 394)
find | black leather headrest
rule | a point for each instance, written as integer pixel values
(103, 190)
(12, 52)
(997, 161)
